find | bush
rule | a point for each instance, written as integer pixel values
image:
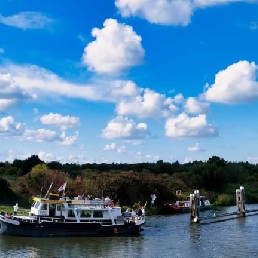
(225, 200)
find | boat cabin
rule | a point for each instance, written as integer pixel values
(203, 202)
(74, 210)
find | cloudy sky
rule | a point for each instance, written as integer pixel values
(129, 81)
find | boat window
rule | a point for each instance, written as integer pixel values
(44, 206)
(71, 213)
(58, 207)
(97, 214)
(52, 206)
(36, 205)
(85, 214)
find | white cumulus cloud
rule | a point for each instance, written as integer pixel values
(68, 140)
(195, 106)
(46, 156)
(117, 47)
(8, 127)
(167, 12)
(236, 84)
(46, 135)
(122, 89)
(151, 104)
(59, 120)
(110, 147)
(195, 148)
(185, 126)
(113, 147)
(124, 128)
(27, 20)
(11, 94)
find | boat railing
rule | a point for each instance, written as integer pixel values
(135, 218)
(94, 203)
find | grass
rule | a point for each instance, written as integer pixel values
(9, 209)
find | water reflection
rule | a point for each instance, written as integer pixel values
(195, 234)
(68, 247)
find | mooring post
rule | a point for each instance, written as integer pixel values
(192, 213)
(194, 207)
(240, 201)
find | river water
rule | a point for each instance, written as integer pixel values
(163, 236)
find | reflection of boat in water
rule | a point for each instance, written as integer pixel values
(184, 206)
(66, 217)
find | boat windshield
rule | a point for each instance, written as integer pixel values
(36, 205)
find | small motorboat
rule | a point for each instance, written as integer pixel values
(184, 206)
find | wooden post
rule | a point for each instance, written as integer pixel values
(192, 213)
(240, 201)
(194, 207)
(197, 204)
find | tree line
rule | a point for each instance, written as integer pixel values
(130, 184)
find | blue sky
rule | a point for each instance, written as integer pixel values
(129, 81)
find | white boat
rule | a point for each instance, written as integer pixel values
(66, 217)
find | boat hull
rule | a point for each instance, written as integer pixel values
(60, 229)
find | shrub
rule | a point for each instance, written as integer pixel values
(225, 200)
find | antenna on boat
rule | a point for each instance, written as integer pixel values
(49, 189)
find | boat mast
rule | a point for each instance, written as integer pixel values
(49, 190)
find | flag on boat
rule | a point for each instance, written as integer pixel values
(62, 187)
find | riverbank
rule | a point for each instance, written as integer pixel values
(9, 209)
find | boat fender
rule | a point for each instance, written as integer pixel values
(111, 204)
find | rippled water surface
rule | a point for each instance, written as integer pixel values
(164, 236)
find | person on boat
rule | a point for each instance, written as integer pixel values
(15, 209)
(9, 215)
(153, 198)
(126, 214)
(107, 199)
(139, 212)
(133, 213)
(2, 213)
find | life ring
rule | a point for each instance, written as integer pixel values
(110, 204)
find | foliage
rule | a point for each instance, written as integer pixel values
(131, 184)
(38, 181)
(6, 193)
(128, 188)
(225, 200)
(25, 166)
